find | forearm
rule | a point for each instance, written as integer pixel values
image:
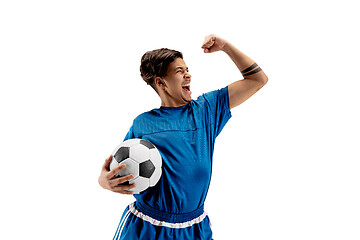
(247, 67)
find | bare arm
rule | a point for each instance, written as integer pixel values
(254, 77)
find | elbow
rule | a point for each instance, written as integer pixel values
(264, 79)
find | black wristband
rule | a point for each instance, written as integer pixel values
(252, 72)
(249, 68)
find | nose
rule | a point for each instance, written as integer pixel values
(187, 75)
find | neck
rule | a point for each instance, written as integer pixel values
(172, 104)
(168, 101)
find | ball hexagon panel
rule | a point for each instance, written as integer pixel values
(121, 154)
(146, 169)
(132, 167)
(155, 176)
(155, 157)
(139, 153)
(141, 184)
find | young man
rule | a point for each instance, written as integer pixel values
(184, 131)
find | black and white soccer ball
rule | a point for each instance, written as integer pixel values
(142, 159)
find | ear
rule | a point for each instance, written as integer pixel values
(159, 82)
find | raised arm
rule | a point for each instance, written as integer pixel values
(254, 77)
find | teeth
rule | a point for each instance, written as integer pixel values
(186, 85)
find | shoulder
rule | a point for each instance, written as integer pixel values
(210, 98)
(146, 122)
(145, 116)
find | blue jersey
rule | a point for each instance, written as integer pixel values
(185, 137)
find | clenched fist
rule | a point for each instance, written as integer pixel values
(213, 43)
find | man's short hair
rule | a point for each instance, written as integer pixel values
(155, 64)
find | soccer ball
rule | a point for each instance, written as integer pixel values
(142, 160)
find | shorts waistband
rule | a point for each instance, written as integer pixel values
(169, 217)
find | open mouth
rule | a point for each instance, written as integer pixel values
(186, 87)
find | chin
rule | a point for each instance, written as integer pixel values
(187, 100)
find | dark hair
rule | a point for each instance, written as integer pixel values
(155, 64)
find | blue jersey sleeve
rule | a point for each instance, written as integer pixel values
(130, 134)
(219, 105)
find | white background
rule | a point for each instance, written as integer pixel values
(286, 166)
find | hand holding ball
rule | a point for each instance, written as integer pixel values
(142, 160)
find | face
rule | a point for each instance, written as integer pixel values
(176, 84)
